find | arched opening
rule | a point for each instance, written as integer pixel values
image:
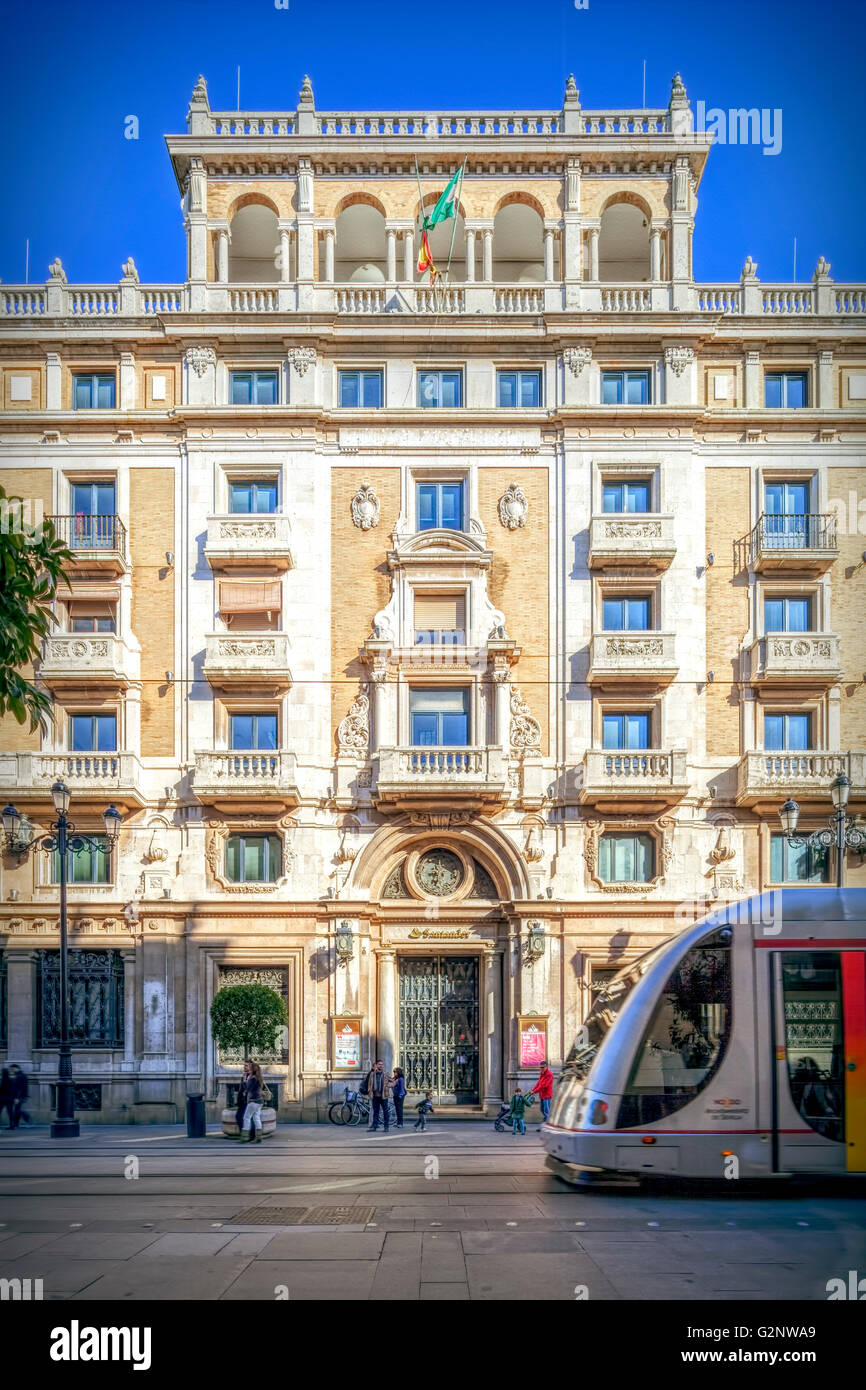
(624, 244)
(518, 245)
(254, 246)
(359, 255)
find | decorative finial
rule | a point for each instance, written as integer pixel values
(56, 271)
(822, 268)
(129, 271)
(199, 91)
(306, 92)
(750, 268)
(678, 90)
(571, 88)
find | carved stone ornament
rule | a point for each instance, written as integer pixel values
(366, 508)
(513, 507)
(822, 268)
(129, 271)
(56, 271)
(439, 873)
(678, 358)
(200, 359)
(353, 732)
(525, 730)
(576, 358)
(301, 358)
(750, 269)
(218, 833)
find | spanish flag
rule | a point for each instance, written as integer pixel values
(425, 256)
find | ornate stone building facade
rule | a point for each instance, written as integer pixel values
(443, 649)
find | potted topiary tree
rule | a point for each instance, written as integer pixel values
(247, 1017)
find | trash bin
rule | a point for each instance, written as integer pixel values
(196, 1126)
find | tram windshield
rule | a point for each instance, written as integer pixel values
(609, 999)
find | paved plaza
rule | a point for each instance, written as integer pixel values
(458, 1212)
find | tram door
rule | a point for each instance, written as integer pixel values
(820, 1043)
(438, 1033)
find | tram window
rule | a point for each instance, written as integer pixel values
(812, 990)
(687, 1036)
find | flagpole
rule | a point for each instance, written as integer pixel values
(420, 195)
(456, 214)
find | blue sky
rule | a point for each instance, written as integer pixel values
(79, 190)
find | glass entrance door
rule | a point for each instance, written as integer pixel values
(438, 1033)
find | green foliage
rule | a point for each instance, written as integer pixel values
(248, 1017)
(31, 565)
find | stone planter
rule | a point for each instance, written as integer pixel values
(230, 1128)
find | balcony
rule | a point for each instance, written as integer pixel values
(807, 776)
(616, 658)
(248, 660)
(233, 781)
(96, 542)
(414, 778)
(799, 658)
(645, 778)
(261, 540)
(804, 542)
(646, 540)
(72, 659)
(99, 778)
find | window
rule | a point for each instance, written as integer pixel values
(787, 733)
(95, 998)
(253, 858)
(365, 389)
(440, 505)
(252, 731)
(518, 388)
(797, 863)
(94, 526)
(93, 391)
(86, 865)
(440, 718)
(254, 388)
(625, 388)
(440, 619)
(625, 614)
(627, 497)
(815, 1029)
(788, 614)
(788, 389)
(687, 1036)
(81, 619)
(442, 389)
(626, 730)
(626, 858)
(93, 733)
(259, 496)
(786, 514)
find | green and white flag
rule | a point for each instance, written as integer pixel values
(447, 204)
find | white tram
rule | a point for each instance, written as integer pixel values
(736, 1049)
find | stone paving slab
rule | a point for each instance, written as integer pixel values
(334, 1243)
(442, 1258)
(177, 1278)
(305, 1280)
(62, 1278)
(535, 1277)
(99, 1245)
(451, 1292)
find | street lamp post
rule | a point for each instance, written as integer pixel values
(840, 832)
(63, 838)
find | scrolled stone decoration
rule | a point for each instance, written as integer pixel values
(366, 508)
(513, 507)
(722, 852)
(200, 359)
(678, 358)
(353, 732)
(525, 730)
(301, 358)
(576, 358)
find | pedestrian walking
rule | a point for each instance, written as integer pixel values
(398, 1094)
(518, 1106)
(424, 1108)
(242, 1098)
(6, 1101)
(254, 1086)
(20, 1092)
(380, 1091)
(544, 1089)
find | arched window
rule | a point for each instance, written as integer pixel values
(254, 246)
(518, 245)
(624, 244)
(359, 256)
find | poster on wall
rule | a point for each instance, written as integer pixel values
(532, 1037)
(346, 1048)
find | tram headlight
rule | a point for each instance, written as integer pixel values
(598, 1112)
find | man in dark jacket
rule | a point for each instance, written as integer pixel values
(20, 1092)
(380, 1090)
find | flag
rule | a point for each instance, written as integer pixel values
(447, 204)
(425, 256)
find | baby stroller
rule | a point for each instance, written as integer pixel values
(502, 1122)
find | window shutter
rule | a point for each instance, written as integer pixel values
(440, 612)
(260, 596)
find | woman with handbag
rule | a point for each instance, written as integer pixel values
(254, 1086)
(398, 1094)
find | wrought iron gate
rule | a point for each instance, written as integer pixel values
(438, 1046)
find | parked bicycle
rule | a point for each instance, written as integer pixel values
(354, 1108)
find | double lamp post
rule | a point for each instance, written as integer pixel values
(840, 831)
(63, 839)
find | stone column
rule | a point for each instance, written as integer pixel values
(53, 381)
(306, 233)
(129, 1008)
(548, 255)
(752, 381)
(126, 382)
(488, 255)
(390, 255)
(21, 1012)
(378, 683)
(409, 254)
(222, 257)
(502, 733)
(825, 379)
(493, 1036)
(330, 238)
(655, 254)
(285, 255)
(470, 255)
(593, 253)
(386, 1016)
